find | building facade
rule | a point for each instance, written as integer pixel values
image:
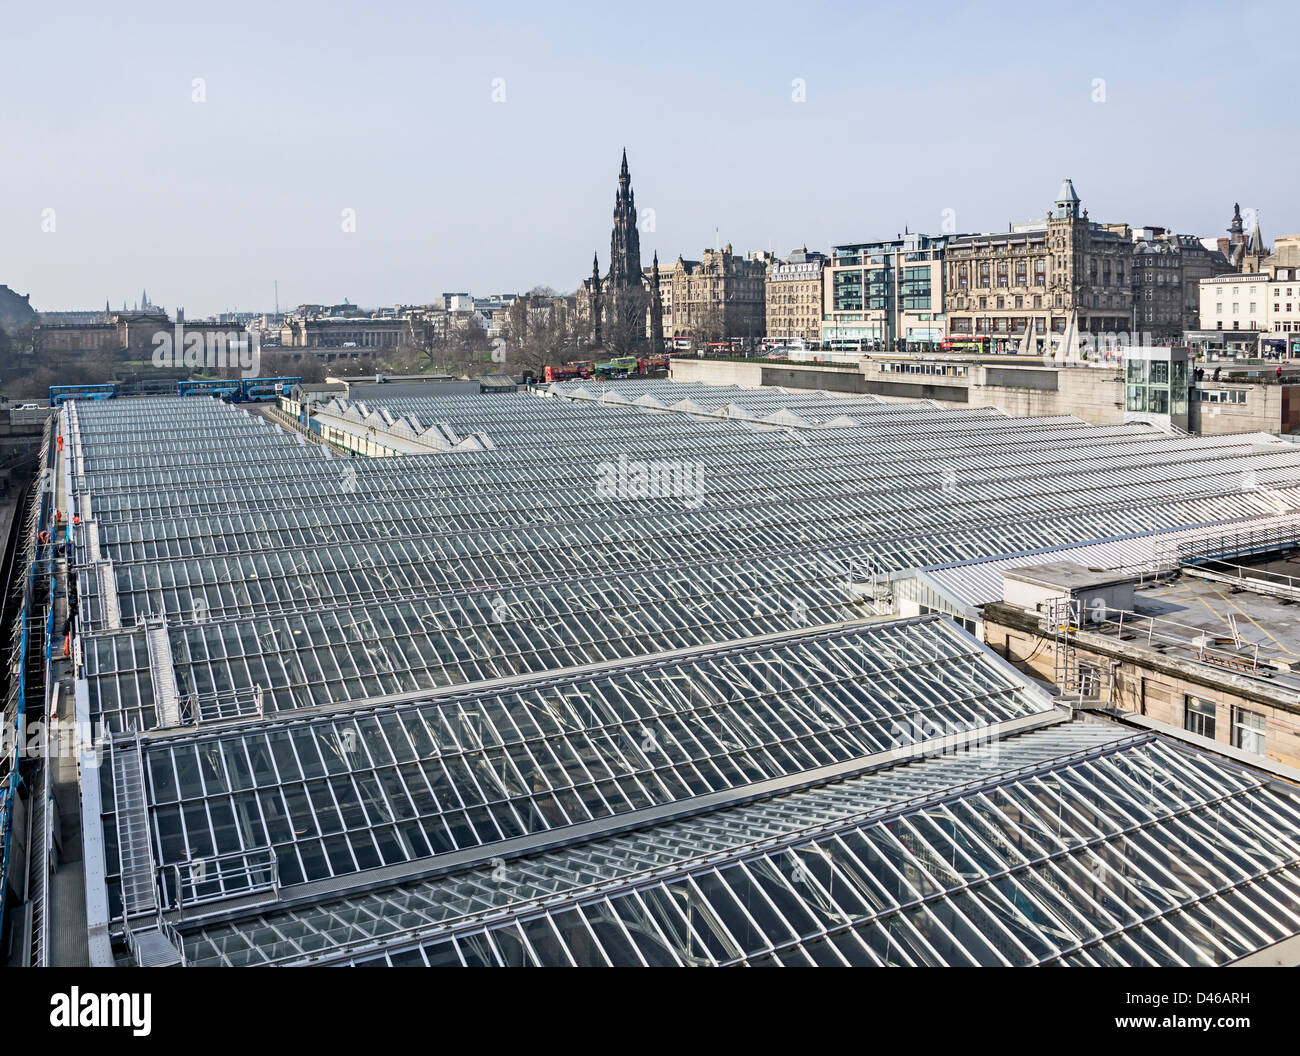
(1257, 311)
(1167, 273)
(887, 294)
(1234, 308)
(1283, 298)
(1022, 288)
(793, 298)
(346, 327)
(720, 297)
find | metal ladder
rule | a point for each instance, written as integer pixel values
(156, 944)
(1063, 616)
(134, 845)
(166, 695)
(38, 866)
(107, 582)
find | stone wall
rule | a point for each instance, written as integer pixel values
(1151, 684)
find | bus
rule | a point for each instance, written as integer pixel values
(217, 387)
(258, 389)
(978, 345)
(564, 373)
(61, 393)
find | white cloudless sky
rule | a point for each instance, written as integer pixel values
(387, 109)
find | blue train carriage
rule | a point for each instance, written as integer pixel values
(61, 393)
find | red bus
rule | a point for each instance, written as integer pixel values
(579, 368)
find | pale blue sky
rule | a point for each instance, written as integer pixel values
(386, 109)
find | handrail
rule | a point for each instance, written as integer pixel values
(207, 879)
(1198, 644)
(229, 705)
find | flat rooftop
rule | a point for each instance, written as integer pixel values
(1233, 618)
(1066, 576)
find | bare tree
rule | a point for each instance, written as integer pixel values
(624, 329)
(539, 331)
(427, 335)
(282, 364)
(708, 325)
(469, 342)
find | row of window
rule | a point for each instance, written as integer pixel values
(1219, 395)
(946, 369)
(1249, 728)
(986, 271)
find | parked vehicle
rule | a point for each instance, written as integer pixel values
(619, 367)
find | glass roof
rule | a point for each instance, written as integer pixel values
(337, 794)
(1070, 845)
(395, 676)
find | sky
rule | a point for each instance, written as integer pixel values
(384, 152)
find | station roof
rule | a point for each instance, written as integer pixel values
(1077, 844)
(359, 682)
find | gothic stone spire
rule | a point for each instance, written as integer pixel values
(625, 240)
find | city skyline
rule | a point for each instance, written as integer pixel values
(220, 166)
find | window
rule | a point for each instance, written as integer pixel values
(1199, 717)
(1248, 728)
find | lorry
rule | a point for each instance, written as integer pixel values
(618, 367)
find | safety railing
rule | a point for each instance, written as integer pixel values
(1159, 633)
(199, 709)
(1238, 544)
(212, 879)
